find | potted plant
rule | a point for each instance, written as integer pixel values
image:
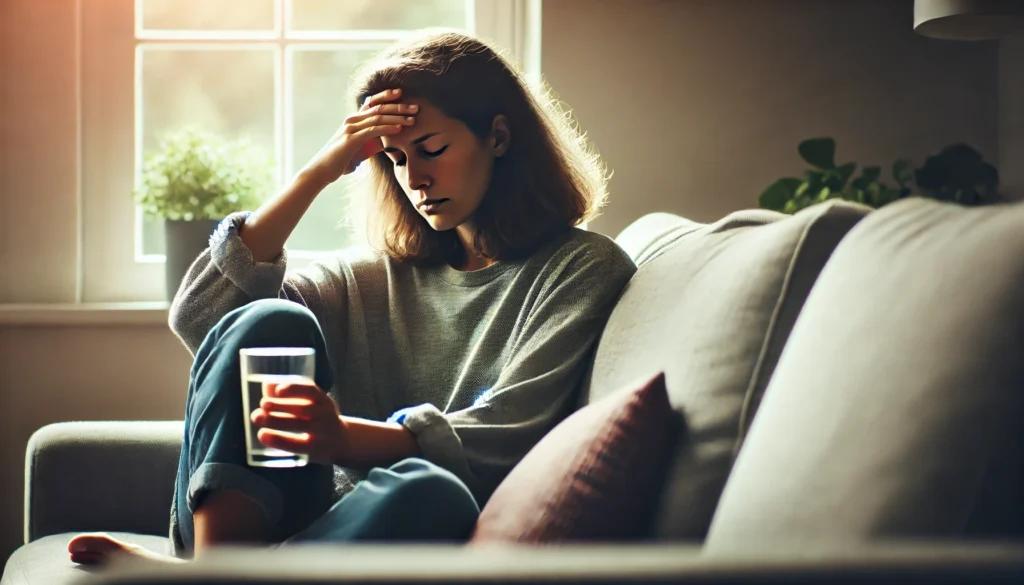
(956, 174)
(192, 181)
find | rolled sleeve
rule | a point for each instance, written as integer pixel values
(234, 260)
(226, 476)
(436, 438)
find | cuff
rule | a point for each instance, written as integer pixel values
(437, 440)
(233, 258)
(227, 476)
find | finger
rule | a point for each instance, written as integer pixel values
(294, 443)
(294, 390)
(284, 423)
(388, 95)
(298, 407)
(390, 109)
(357, 123)
(260, 416)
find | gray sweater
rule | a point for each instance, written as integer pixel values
(477, 365)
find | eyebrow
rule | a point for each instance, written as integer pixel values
(414, 142)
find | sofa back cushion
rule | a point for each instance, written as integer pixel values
(895, 410)
(712, 309)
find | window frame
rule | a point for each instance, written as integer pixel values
(111, 40)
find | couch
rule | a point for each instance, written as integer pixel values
(851, 385)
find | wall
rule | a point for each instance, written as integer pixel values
(1011, 116)
(38, 151)
(696, 106)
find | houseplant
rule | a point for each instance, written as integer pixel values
(957, 173)
(193, 180)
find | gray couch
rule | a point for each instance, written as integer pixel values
(852, 386)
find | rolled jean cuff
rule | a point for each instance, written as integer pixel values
(228, 476)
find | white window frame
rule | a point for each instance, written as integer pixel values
(110, 269)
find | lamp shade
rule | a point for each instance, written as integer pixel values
(968, 20)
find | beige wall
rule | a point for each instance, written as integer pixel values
(696, 105)
(38, 151)
(1011, 116)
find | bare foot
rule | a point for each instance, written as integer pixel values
(93, 548)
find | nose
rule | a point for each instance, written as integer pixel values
(416, 177)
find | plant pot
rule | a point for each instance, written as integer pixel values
(185, 241)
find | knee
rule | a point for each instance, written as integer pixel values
(424, 483)
(274, 319)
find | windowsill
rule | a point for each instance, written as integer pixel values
(85, 314)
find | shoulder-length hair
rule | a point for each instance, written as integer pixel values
(547, 181)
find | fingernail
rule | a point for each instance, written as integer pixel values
(366, 101)
(395, 91)
(413, 108)
(410, 118)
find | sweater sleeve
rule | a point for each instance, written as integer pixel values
(533, 393)
(225, 277)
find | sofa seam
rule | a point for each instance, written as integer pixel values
(661, 245)
(769, 334)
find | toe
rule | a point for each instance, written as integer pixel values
(94, 542)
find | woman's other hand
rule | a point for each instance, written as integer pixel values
(359, 137)
(301, 418)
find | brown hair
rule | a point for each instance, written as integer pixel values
(547, 181)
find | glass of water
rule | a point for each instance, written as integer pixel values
(263, 367)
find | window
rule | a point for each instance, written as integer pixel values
(273, 70)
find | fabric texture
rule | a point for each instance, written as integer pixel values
(713, 310)
(114, 476)
(650, 235)
(594, 477)
(412, 499)
(895, 410)
(486, 362)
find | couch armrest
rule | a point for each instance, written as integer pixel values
(113, 476)
(321, 564)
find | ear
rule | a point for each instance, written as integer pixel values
(501, 136)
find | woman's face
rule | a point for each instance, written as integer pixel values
(442, 166)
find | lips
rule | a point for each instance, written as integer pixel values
(430, 204)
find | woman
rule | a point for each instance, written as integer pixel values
(444, 353)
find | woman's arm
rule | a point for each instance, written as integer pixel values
(267, 229)
(246, 259)
(370, 443)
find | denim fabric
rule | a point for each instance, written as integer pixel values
(411, 500)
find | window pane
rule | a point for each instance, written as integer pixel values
(230, 92)
(208, 14)
(320, 105)
(376, 14)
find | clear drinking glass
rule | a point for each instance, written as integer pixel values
(262, 367)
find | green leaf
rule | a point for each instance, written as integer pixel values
(902, 172)
(777, 195)
(819, 152)
(845, 172)
(868, 176)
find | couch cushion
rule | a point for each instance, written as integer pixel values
(595, 477)
(713, 310)
(46, 561)
(650, 235)
(896, 408)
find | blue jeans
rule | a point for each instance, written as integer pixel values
(413, 500)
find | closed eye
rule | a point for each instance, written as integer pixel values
(425, 154)
(436, 153)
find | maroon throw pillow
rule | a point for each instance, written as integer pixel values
(597, 476)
